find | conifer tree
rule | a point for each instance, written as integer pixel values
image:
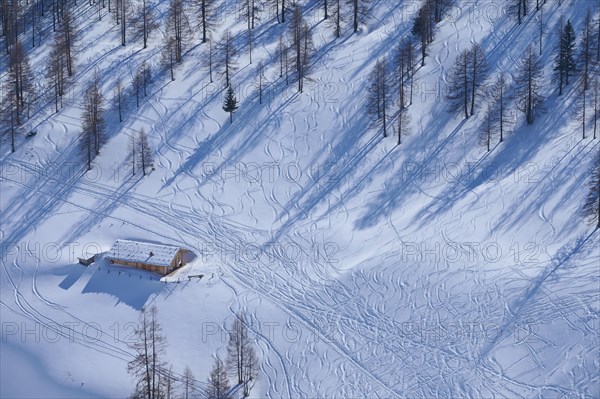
(564, 63)
(528, 81)
(188, 383)
(241, 357)
(336, 17)
(569, 48)
(67, 39)
(230, 104)
(218, 383)
(282, 54)
(300, 38)
(57, 73)
(596, 94)
(359, 9)
(148, 366)
(479, 70)
(499, 99)
(92, 121)
(260, 82)
(488, 129)
(207, 17)
(250, 9)
(458, 90)
(377, 95)
(144, 152)
(403, 124)
(208, 59)
(467, 76)
(586, 49)
(591, 207)
(7, 116)
(176, 34)
(20, 81)
(118, 99)
(137, 84)
(518, 8)
(225, 56)
(146, 20)
(132, 151)
(423, 27)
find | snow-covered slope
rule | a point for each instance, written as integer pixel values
(429, 269)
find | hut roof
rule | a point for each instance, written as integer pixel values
(142, 252)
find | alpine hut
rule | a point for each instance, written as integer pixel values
(158, 258)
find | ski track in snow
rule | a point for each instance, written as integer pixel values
(214, 230)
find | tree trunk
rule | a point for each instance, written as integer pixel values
(384, 105)
(145, 23)
(474, 81)
(12, 132)
(466, 85)
(203, 13)
(89, 151)
(501, 112)
(529, 95)
(583, 115)
(210, 61)
(356, 15)
(338, 23)
(595, 108)
(123, 30)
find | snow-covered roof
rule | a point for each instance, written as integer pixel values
(144, 252)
